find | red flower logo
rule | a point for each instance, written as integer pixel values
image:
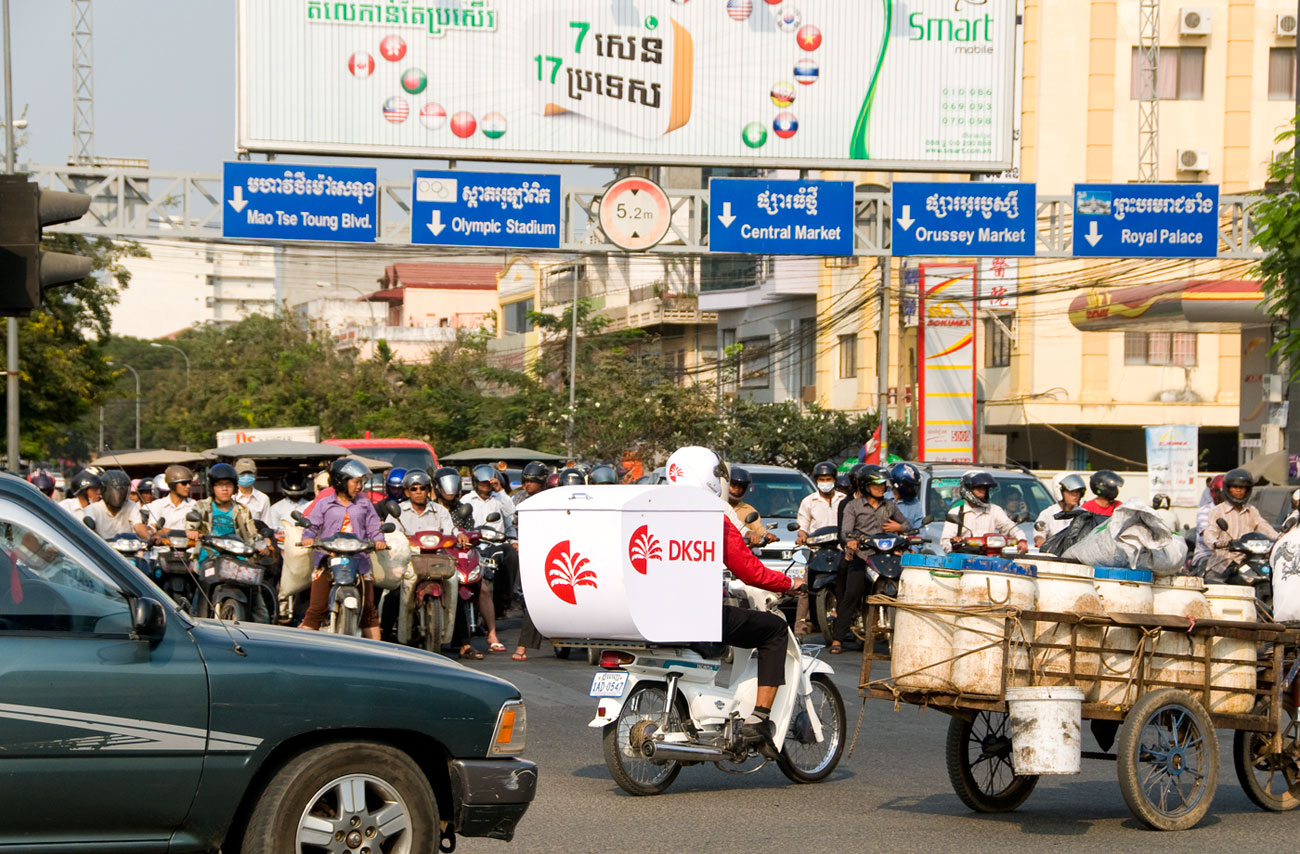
(565, 572)
(642, 548)
(674, 472)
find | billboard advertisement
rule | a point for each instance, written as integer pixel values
(946, 354)
(926, 84)
(1171, 463)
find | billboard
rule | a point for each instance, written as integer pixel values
(926, 85)
(946, 346)
(1171, 463)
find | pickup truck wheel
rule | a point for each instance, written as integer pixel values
(346, 797)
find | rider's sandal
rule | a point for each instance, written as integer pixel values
(468, 651)
(836, 648)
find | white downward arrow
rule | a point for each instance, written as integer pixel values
(905, 221)
(1093, 235)
(436, 225)
(726, 218)
(238, 202)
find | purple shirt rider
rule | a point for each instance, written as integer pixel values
(327, 520)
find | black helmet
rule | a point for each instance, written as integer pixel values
(1106, 484)
(1237, 477)
(43, 481)
(417, 477)
(572, 476)
(870, 475)
(973, 480)
(603, 475)
(344, 469)
(221, 471)
(116, 486)
(294, 484)
(481, 473)
(844, 482)
(825, 468)
(740, 477)
(447, 480)
(83, 480)
(535, 472)
(1160, 502)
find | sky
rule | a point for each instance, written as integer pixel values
(164, 77)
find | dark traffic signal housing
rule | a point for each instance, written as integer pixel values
(25, 271)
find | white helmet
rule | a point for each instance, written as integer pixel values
(696, 466)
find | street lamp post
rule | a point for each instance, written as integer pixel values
(365, 297)
(137, 401)
(183, 356)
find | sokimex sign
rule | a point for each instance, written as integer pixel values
(807, 84)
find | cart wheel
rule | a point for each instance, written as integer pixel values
(593, 656)
(1271, 780)
(1168, 760)
(979, 764)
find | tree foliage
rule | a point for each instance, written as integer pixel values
(1277, 232)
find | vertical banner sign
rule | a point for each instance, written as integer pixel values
(1171, 463)
(947, 360)
(1255, 362)
(999, 284)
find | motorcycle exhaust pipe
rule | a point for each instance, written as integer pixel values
(669, 752)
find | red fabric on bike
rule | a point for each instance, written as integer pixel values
(741, 561)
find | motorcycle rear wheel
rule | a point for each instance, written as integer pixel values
(813, 761)
(232, 610)
(633, 773)
(431, 620)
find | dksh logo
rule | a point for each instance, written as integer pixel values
(642, 548)
(566, 571)
(675, 472)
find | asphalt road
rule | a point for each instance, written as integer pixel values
(893, 791)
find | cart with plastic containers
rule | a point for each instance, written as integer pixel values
(971, 635)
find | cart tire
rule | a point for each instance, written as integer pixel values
(1168, 760)
(593, 656)
(1271, 780)
(979, 764)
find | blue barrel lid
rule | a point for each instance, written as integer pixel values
(924, 561)
(1119, 573)
(973, 563)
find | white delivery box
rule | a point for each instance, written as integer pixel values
(629, 563)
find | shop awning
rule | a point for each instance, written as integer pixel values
(1189, 305)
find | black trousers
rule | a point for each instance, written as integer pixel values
(855, 587)
(761, 631)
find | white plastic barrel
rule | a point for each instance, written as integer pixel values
(1068, 588)
(921, 657)
(1180, 596)
(1045, 723)
(1122, 591)
(1012, 586)
(1232, 602)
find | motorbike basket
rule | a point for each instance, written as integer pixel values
(435, 567)
(233, 570)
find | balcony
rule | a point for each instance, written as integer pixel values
(353, 336)
(668, 311)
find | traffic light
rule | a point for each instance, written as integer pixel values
(26, 271)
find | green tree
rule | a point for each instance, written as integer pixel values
(1277, 233)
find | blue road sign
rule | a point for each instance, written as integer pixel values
(283, 201)
(963, 219)
(755, 215)
(486, 209)
(1146, 220)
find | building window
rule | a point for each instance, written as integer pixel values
(1177, 349)
(517, 316)
(807, 351)
(755, 363)
(848, 356)
(727, 272)
(997, 343)
(1281, 73)
(1182, 74)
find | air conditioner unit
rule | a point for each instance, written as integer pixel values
(1193, 160)
(1194, 21)
(1287, 26)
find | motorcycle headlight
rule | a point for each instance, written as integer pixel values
(345, 545)
(128, 545)
(233, 545)
(995, 541)
(885, 544)
(432, 540)
(1256, 547)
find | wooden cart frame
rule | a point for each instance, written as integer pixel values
(1166, 751)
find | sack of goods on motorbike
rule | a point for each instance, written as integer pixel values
(638, 571)
(392, 564)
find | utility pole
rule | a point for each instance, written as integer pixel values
(11, 327)
(573, 364)
(1149, 90)
(882, 357)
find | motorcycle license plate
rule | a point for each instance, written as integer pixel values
(608, 684)
(487, 562)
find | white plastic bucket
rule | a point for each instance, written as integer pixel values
(980, 672)
(1232, 602)
(1122, 591)
(922, 646)
(1045, 723)
(1067, 588)
(1181, 596)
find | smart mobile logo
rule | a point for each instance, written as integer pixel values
(566, 571)
(642, 548)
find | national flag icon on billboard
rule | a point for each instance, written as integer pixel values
(740, 10)
(361, 64)
(806, 72)
(788, 19)
(809, 38)
(396, 110)
(433, 116)
(783, 94)
(754, 135)
(463, 124)
(785, 125)
(414, 81)
(393, 48)
(494, 125)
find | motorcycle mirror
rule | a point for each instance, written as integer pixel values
(953, 515)
(1020, 518)
(494, 517)
(1040, 526)
(751, 518)
(297, 516)
(193, 516)
(801, 555)
(793, 526)
(929, 517)
(389, 509)
(144, 516)
(89, 522)
(388, 527)
(1223, 524)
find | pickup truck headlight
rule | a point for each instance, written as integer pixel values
(511, 730)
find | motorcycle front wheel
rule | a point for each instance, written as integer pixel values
(231, 610)
(803, 758)
(431, 620)
(633, 773)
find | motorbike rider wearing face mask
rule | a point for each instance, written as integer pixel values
(255, 500)
(1105, 486)
(347, 511)
(756, 533)
(115, 513)
(762, 631)
(84, 489)
(906, 482)
(1071, 489)
(220, 515)
(978, 514)
(1242, 518)
(821, 508)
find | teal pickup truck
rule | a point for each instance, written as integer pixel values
(127, 725)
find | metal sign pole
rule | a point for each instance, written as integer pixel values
(11, 331)
(882, 357)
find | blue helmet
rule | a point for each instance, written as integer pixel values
(393, 484)
(906, 480)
